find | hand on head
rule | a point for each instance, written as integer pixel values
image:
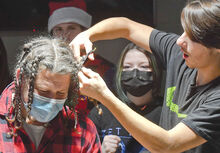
(91, 84)
(81, 41)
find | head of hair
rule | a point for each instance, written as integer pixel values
(201, 22)
(38, 54)
(156, 72)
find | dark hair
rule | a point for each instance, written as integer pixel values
(38, 54)
(201, 21)
(152, 61)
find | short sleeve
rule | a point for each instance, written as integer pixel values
(205, 120)
(164, 47)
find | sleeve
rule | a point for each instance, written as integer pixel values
(205, 120)
(164, 47)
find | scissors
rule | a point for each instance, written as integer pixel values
(85, 57)
(83, 60)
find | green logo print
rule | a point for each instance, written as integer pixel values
(173, 107)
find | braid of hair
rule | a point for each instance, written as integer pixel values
(15, 107)
(72, 100)
(26, 50)
(18, 101)
(10, 117)
(34, 68)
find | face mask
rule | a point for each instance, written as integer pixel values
(136, 82)
(44, 109)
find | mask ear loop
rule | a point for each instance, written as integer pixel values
(82, 62)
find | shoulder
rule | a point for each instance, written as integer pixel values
(163, 35)
(163, 42)
(6, 98)
(83, 122)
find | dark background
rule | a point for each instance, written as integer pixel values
(19, 15)
(21, 19)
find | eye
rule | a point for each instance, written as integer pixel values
(145, 67)
(43, 93)
(61, 95)
(71, 28)
(57, 31)
(126, 67)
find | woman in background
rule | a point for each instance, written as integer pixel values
(137, 85)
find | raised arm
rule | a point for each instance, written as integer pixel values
(112, 28)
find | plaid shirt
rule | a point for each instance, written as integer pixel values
(57, 138)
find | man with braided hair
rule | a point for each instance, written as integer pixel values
(37, 110)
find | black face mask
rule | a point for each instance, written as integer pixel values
(136, 82)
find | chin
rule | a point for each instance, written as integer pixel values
(190, 65)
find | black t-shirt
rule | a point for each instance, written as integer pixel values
(107, 124)
(198, 107)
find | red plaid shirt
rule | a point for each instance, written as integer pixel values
(57, 138)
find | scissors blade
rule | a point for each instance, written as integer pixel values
(85, 57)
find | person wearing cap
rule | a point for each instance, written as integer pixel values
(67, 22)
(68, 19)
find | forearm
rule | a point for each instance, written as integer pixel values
(147, 133)
(150, 135)
(121, 27)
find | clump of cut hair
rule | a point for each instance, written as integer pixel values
(41, 53)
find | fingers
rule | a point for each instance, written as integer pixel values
(110, 143)
(91, 84)
(81, 41)
(88, 48)
(75, 49)
(84, 76)
(114, 138)
(89, 73)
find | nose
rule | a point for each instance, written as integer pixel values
(181, 40)
(64, 33)
(135, 73)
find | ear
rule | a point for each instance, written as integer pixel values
(17, 75)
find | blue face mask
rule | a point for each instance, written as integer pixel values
(44, 109)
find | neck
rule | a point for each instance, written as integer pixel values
(205, 76)
(143, 100)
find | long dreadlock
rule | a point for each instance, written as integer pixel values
(42, 53)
